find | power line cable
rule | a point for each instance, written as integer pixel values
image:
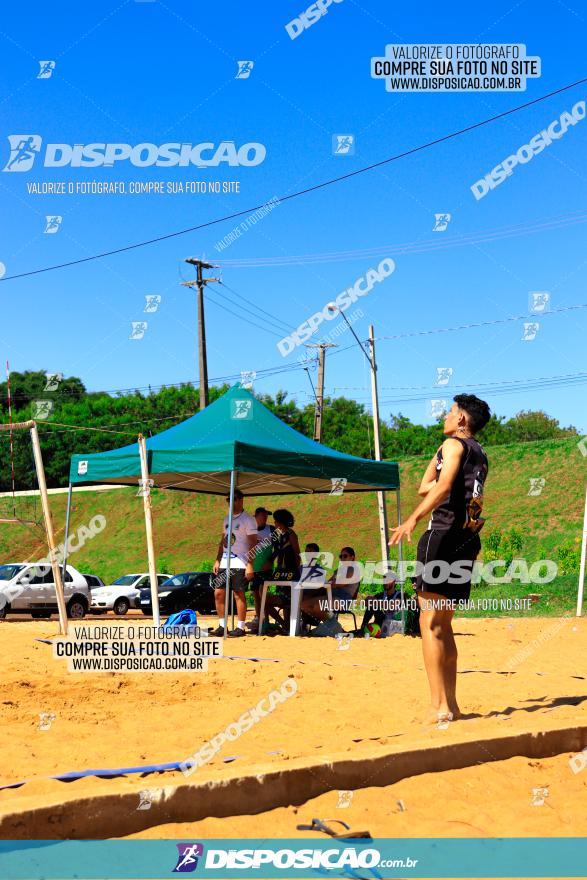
(309, 189)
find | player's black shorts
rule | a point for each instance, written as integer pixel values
(238, 581)
(448, 559)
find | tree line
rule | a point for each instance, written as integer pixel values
(347, 426)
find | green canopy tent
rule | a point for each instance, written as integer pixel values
(236, 442)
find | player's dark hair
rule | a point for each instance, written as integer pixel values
(284, 517)
(477, 410)
(312, 548)
(348, 550)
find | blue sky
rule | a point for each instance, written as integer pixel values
(137, 72)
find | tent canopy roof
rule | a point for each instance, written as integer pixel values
(236, 432)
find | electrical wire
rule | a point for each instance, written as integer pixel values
(263, 311)
(307, 190)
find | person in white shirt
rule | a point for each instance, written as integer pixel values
(242, 543)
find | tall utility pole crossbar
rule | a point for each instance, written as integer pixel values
(202, 357)
(319, 409)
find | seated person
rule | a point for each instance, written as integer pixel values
(287, 561)
(344, 590)
(379, 606)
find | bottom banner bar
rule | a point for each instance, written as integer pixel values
(557, 857)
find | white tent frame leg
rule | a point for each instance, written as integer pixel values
(48, 521)
(146, 493)
(582, 565)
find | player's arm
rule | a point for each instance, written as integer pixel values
(219, 552)
(295, 545)
(429, 478)
(452, 452)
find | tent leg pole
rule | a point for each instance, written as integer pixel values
(400, 553)
(582, 565)
(149, 530)
(66, 536)
(49, 529)
(228, 591)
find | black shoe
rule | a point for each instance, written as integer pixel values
(217, 633)
(235, 633)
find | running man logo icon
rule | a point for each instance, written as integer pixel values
(437, 408)
(244, 69)
(530, 331)
(443, 375)
(441, 222)
(42, 409)
(188, 855)
(46, 69)
(241, 409)
(46, 719)
(138, 329)
(23, 151)
(343, 144)
(539, 300)
(344, 799)
(53, 223)
(247, 379)
(145, 799)
(338, 484)
(53, 381)
(537, 484)
(153, 301)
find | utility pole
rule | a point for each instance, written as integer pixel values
(381, 501)
(318, 411)
(202, 358)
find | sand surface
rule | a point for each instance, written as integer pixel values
(515, 675)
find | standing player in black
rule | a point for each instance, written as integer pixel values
(452, 489)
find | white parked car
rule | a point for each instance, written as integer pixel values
(122, 594)
(29, 588)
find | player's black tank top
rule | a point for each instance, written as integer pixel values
(462, 509)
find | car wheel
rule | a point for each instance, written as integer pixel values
(121, 606)
(76, 608)
(146, 612)
(40, 615)
(4, 610)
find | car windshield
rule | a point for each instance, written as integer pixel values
(127, 580)
(7, 572)
(177, 581)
